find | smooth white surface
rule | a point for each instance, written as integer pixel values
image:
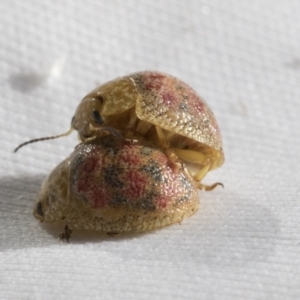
(243, 57)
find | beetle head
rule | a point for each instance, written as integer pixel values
(88, 116)
(103, 107)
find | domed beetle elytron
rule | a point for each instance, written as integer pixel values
(153, 107)
(116, 185)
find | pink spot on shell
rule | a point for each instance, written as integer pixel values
(90, 165)
(198, 105)
(99, 198)
(162, 202)
(153, 81)
(130, 156)
(88, 185)
(136, 185)
(169, 99)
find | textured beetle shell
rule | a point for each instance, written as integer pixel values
(173, 105)
(115, 185)
(164, 101)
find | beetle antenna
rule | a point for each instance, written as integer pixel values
(43, 139)
(114, 132)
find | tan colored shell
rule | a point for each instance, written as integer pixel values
(168, 102)
(114, 185)
(53, 197)
(171, 104)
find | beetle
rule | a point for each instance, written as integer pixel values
(116, 185)
(157, 107)
(147, 141)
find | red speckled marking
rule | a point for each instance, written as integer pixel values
(195, 104)
(96, 195)
(154, 81)
(117, 175)
(169, 99)
(172, 92)
(130, 157)
(90, 165)
(136, 184)
(171, 189)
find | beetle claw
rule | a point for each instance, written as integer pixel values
(209, 187)
(66, 234)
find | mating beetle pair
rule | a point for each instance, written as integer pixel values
(148, 140)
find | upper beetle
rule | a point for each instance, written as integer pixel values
(156, 107)
(159, 108)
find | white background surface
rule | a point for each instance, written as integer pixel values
(243, 57)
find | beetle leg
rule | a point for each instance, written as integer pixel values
(207, 188)
(161, 138)
(142, 127)
(132, 121)
(200, 175)
(102, 129)
(66, 234)
(195, 157)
